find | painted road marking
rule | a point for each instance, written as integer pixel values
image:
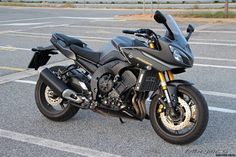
(30, 36)
(64, 17)
(220, 32)
(215, 66)
(199, 28)
(215, 59)
(26, 81)
(23, 24)
(48, 26)
(11, 48)
(30, 19)
(88, 18)
(28, 73)
(225, 110)
(11, 68)
(212, 93)
(153, 28)
(47, 36)
(212, 44)
(107, 28)
(102, 19)
(221, 109)
(16, 76)
(8, 31)
(217, 40)
(39, 35)
(102, 39)
(52, 144)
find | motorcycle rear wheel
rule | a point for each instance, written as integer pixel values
(53, 107)
(192, 120)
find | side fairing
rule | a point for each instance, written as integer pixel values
(141, 57)
(160, 60)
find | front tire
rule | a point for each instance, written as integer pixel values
(53, 107)
(193, 122)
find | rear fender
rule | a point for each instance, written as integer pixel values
(41, 56)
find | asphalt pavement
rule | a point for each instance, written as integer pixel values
(25, 132)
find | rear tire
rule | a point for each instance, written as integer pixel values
(198, 127)
(48, 110)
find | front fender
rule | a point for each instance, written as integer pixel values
(172, 86)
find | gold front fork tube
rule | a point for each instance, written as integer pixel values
(152, 45)
(163, 80)
(164, 86)
(170, 75)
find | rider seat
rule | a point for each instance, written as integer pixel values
(86, 53)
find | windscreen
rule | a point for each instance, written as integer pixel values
(178, 34)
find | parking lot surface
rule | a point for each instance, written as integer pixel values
(25, 132)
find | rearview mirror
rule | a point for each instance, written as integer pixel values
(159, 17)
(190, 28)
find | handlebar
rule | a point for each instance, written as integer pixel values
(140, 31)
(144, 33)
(129, 32)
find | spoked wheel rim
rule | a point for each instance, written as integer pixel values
(187, 117)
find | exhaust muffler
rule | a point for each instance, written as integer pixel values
(59, 87)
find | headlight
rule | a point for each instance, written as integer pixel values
(177, 54)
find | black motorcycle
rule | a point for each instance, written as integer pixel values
(119, 80)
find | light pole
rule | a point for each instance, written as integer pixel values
(152, 6)
(143, 6)
(226, 8)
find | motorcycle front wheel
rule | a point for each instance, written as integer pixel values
(189, 122)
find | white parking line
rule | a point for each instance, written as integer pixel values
(26, 81)
(212, 44)
(28, 73)
(108, 27)
(86, 18)
(220, 32)
(215, 59)
(39, 35)
(221, 109)
(202, 27)
(23, 24)
(212, 93)
(54, 144)
(133, 28)
(225, 110)
(48, 26)
(65, 17)
(10, 48)
(30, 19)
(217, 40)
(215, 66)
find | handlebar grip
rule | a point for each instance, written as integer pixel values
(128, 32)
